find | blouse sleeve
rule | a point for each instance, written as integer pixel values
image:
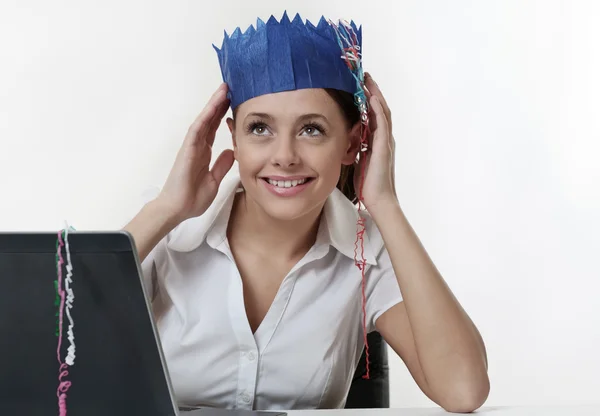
(382, 290)
(149, 265)
(149, 273)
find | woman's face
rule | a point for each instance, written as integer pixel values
(290, 147)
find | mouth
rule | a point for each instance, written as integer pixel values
(287, 183)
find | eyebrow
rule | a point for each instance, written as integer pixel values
(301, 118)
(312, 115)
(259, 115)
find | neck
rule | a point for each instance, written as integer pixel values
(287, 239)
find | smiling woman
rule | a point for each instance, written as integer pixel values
(255, 281)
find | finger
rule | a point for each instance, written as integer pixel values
(222, 165)
(212, 99)
(222, 109)
(375, 90)
(218, 107)
(372, 121)
(381, 120)
(200, 124)
(367, 92)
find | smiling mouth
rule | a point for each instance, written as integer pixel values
(287, 183)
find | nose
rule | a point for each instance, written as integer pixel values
(285, 153)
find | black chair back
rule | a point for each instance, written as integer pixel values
(374, 392)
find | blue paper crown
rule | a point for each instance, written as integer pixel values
(283, 56)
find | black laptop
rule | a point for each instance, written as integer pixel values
(118, 366)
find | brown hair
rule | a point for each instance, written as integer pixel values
(345, 101)
(350, 111)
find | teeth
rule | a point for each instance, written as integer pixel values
(286, 184)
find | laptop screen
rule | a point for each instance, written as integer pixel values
(117, 369)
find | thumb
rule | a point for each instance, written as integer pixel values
(222, 165)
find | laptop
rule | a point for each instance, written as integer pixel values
(118, 365)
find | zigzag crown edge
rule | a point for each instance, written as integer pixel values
(322, 26)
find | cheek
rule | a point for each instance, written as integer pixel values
(327, 162)
(250, 160)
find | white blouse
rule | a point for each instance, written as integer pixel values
(305, 351)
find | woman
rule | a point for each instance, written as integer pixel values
(253, 281)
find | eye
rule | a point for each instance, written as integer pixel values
(257, 128)
(313, 129)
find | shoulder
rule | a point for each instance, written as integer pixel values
(190, 234)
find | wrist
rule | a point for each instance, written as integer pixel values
(383, 206)
(163, 213)
(384, 209)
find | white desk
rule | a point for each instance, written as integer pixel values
(484, 411)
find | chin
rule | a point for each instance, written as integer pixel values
(285, 211)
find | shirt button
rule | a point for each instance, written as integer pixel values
(251, 356)
(246, 398)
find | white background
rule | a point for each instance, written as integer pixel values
(496, 112)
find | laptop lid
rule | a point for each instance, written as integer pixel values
(118, 367)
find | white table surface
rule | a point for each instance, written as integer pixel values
(587, 410)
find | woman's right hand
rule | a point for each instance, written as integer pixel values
(191, 186)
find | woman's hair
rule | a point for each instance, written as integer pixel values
(345, 101)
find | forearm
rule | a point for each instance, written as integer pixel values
(450, 350)
(149, 226)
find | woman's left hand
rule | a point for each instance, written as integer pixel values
(379, 182)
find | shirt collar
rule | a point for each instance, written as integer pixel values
(337, 228)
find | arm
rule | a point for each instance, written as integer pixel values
(429, 330)
(149, 226)
(190, 187)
